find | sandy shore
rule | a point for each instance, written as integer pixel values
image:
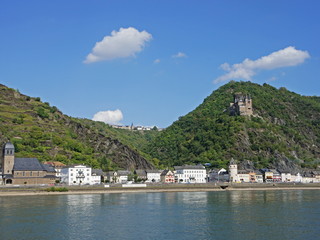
(34, 192)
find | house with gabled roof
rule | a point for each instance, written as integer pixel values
(153, 175)
(167, 176)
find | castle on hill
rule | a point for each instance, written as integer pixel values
(242, 105)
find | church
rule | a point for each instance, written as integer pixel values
(24, 171)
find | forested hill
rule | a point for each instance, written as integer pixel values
(40, 130)
(284, 131)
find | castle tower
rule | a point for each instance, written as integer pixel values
(242, 105)
(8, 159)
(233, 171)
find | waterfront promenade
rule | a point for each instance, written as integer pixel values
(207, 187)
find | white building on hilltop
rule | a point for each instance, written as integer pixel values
(190, 174)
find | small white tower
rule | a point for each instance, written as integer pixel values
(233, 171)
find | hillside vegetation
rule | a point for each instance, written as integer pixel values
(40, 130)
(284, 131)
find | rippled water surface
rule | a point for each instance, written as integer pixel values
(287, 214)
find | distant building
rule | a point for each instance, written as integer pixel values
(167, 176)
(78, 174)
(242, 105)
(218, 175)
(57, 167)
(27, 171)
(190, 174)
(153, 175)
(141, 174)
(233, 171)
(123, 176)
(120, 176)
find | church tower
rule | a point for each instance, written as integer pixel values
(233, 171)
(8, 159)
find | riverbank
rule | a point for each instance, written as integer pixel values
(209, 187)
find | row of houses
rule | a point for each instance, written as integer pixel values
(30, 171)
(79, 174)
(266, 175)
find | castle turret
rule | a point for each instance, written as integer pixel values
(242, 105)
(8, 158)
(233, 171)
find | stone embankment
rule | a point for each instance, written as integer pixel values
(33, 190)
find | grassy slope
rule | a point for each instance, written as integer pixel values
(39, 130)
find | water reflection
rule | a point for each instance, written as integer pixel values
(181, 215)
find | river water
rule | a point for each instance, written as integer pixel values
(279, 214)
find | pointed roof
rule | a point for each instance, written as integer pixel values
(8, 145)
(232, 162)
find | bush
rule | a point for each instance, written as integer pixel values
(57, 189)
(42, 113)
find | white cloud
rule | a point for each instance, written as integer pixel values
(156, 61)
(286, 57)
(124, 43)
(179, 55)
(111, 117)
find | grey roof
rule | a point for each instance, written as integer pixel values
(274, 171)
(243, 172)
(315, 172)
(123, 173)
(165, 172)
(109, 173)
(50, 176)
(97, 172)
(49, 168)
(27, 164)
(141, 172)
(257, 172)
(8, 145)
(152, 171)
(232, 162)
(189, 167)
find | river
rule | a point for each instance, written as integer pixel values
(278, 214)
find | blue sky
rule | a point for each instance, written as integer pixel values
(149, 62)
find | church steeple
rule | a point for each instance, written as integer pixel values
(8, 158)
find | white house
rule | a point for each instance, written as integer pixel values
(243, 176)
(190, 174)
(76, 175)
(285, 176)
(153, 176)
(122, 176)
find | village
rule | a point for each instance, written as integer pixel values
(30, 171)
